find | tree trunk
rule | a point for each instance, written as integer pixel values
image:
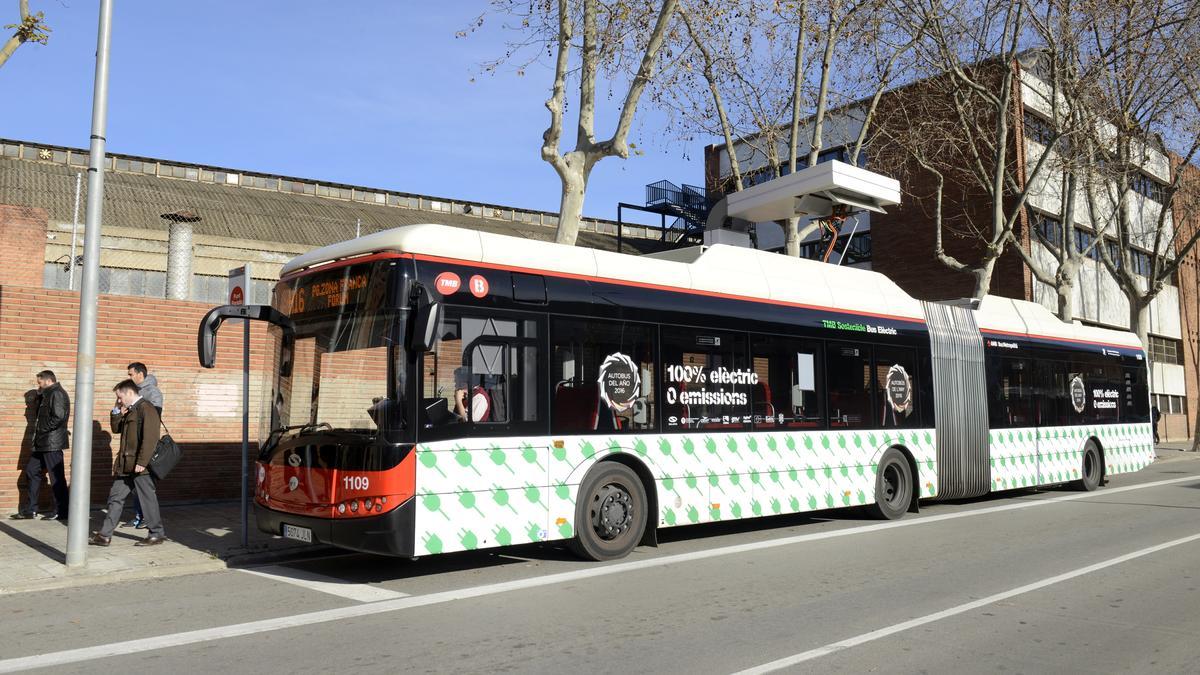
(1065, 290)
(983, 279)
(1139, 321)
(1196, 435)
(1064, 286)
(791, 238)
(570, 210)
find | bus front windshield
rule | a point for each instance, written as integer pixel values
(347, 357)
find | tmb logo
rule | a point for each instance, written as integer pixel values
(447, 283)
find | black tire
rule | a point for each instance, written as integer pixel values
(1092, 469)
(610, 516)
(893, 486)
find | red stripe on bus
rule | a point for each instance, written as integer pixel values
(658, 287)
(1057, 339)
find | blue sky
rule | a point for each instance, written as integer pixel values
(371, 93)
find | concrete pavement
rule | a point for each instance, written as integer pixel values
(200, 538)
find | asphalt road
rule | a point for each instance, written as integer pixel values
(1023, 582)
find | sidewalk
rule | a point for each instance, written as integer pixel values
(200, 538)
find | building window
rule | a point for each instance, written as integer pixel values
(1141, 262)
(1038, 129)
(1049, 229)
(1148, 187)
(1084, 239)
(1165, 350)
(1170, 405)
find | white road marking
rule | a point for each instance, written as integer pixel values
(960, 609)
(370, 609)
(319, 582)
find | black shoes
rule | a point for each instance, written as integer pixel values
(55, 516)
(22, 516)
(151, 541)
(98, 539)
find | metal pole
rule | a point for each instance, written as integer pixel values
(85, 357)
(74, 233)
(245, 419)
(358, 228)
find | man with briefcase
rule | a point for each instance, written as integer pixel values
(138, 422)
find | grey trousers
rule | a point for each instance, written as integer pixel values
(143, 484)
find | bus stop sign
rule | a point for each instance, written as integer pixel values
(239, 284)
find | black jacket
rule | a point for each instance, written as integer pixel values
(50, 429)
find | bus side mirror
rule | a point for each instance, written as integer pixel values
(425, 328)
(206, 337)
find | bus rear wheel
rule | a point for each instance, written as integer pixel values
(610, 516)
(1092, 469)
(893, 486)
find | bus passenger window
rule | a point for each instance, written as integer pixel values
(1010, 394)
(848, 372)
(603, 376)
(707, 382)
(785, 395)
(896, 387)
(485, 371)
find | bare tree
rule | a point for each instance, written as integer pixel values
(32, 28)
(613, 35)
(956, 127)
(762, 96)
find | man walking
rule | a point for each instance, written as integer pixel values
(147, 384)
(148, 388)
(137, 421)
(49, 441)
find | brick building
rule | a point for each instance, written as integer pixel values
(901, 243)
(245, 217)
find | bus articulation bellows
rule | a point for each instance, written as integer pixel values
(440, 389)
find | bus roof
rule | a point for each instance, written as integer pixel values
(729, 271)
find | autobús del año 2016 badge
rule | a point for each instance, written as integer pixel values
(899, 389)
(1078, 394)
(619, 382)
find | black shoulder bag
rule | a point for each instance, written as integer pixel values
(166, 454)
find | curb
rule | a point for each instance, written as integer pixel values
(83, 579)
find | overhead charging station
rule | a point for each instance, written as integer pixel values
(828, 192)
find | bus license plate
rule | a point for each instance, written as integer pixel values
(298, 533)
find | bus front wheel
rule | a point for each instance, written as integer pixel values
(893, 486)
(610, 516)
(1092, 469)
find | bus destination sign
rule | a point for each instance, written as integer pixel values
(336, 290)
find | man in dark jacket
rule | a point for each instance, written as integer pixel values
(49, 441)
(137, 421)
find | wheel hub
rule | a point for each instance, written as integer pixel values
(891, 484)
(613, 512)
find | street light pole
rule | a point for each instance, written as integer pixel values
(85, 358)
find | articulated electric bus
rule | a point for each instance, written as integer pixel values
(439, 389)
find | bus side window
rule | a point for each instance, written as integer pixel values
(848, 373)
(1013, 402)
(786, 393)
(603, 375)
(896, 387)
